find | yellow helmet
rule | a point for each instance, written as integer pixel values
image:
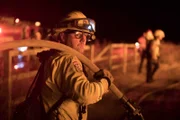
(149, 35)
(159, 33)
(74, 15)
(76, 20)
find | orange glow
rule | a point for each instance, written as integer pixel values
(37, 23)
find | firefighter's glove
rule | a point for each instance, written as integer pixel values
(103, 73)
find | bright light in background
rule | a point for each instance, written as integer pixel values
(20, 57)
(17, 20)
(19, 65)
(0, 30)
(137, 45)
(22, 49)
(37, 23)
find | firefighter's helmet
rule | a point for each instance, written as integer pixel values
(76, 20)
(149, 35)
(159, 33)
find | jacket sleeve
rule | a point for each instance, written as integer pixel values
(76, 85)
(155, 50)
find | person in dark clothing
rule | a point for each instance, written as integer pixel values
(143, 41)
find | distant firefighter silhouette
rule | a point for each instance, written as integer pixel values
(153, 55)
(143, 41)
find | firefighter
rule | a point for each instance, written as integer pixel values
(153, 54)
(143, 41)
(67, 90)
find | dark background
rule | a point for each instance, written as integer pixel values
(119, 21)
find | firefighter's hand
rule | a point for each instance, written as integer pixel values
(103, 73)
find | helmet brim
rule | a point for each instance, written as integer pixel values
(65, 29)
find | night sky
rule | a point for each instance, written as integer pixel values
(120, 21)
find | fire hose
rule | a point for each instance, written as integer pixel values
(133, 112)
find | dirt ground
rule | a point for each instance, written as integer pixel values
(158, 100)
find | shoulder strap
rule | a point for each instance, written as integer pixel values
(37, 83)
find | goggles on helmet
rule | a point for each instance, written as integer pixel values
(84, 24)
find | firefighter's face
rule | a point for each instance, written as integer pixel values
(76, 40)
